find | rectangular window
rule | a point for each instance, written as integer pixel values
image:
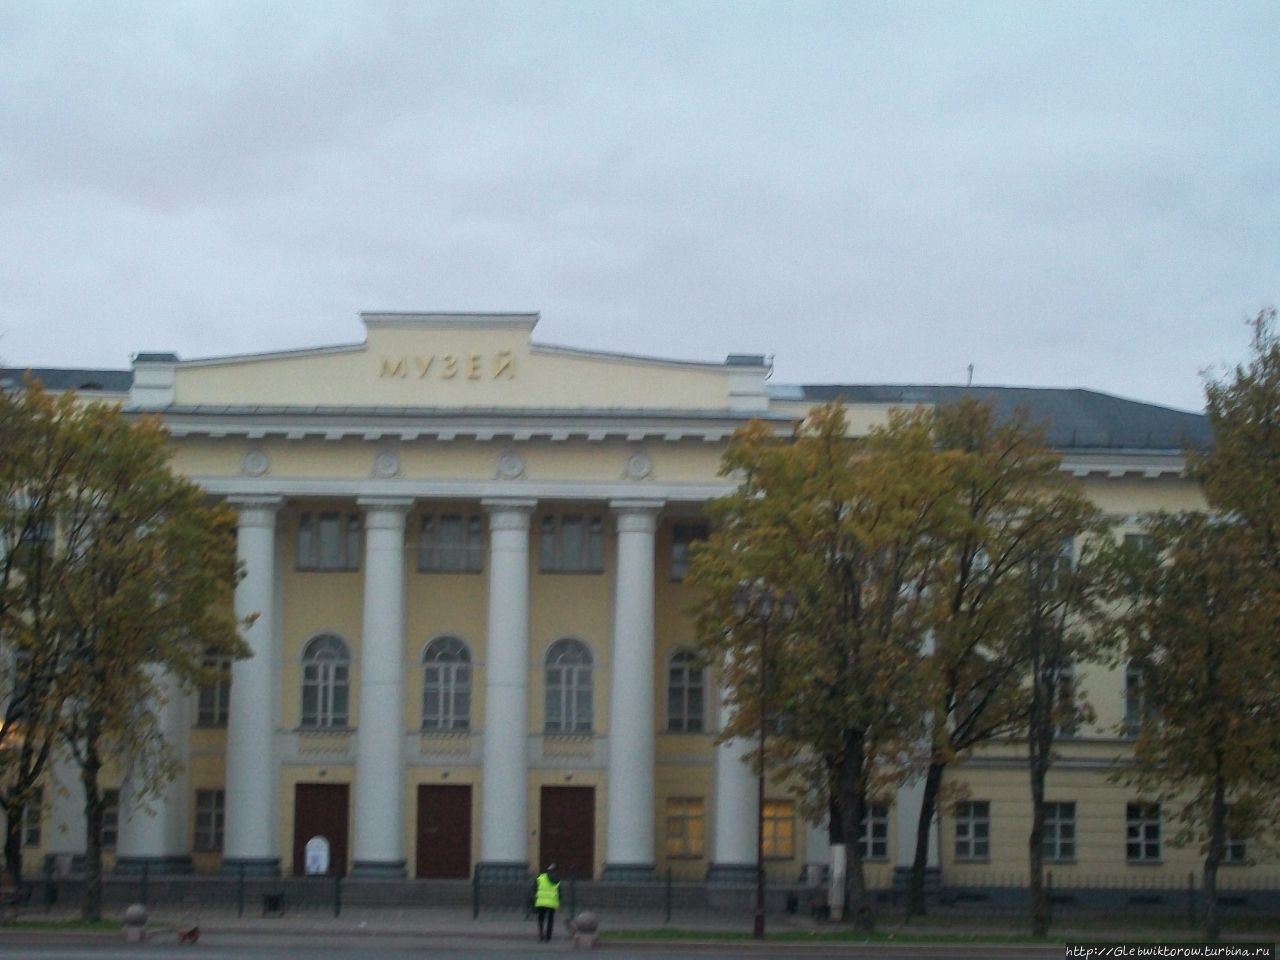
(683, 536)
(328, 541)
(873, 833)
(32, 814)
(210, 813)
(1059, 842)
(571, 543)
(684, 826)
(451, 543)
(1237, 849)
(973, 830)
(110, 819)
(779, 829)
(214, 700)
(1142, 833)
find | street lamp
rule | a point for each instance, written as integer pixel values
(757, 602)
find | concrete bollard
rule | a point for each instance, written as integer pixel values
(585, 930)
(135, 923)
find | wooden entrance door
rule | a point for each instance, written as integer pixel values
(444, 831)
(567, 831)
(320, 810)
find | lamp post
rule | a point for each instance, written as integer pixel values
(756, 603)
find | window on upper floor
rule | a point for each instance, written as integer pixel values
(683, 537)
(569, 699)
(451, 543)
(1137, 696)
(1142, 833)
(328, 541)
(571, 543)
(326, 683)
(686, 693)
(446, 686)
(973, 830)
(214, 699)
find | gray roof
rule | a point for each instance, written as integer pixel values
(58, 379)
(1073, 419)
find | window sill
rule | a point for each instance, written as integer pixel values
(974, 861)
(1144, 863)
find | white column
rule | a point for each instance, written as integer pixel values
(153, 826)
(629, 818)
(733, 837)
(68, 834)
(907, 806)
(250, 840)
(379, 812)
(504, 808)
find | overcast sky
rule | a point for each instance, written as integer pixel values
(1061, 194)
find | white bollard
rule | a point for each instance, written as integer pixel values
(135, 923)
(585, 929)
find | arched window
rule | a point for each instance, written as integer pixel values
(326, 683)
(446, 685)
(568, 687)
(686, 689)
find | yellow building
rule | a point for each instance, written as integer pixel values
(465, 551)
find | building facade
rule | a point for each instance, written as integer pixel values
(473, 641)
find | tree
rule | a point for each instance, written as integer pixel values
(847, 526)
(1240, 474)
(1011, 498)
(144, 594)
(1200, 610)
(33, 658)
(1062, 592)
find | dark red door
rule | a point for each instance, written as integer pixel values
(444, 831)
(320, 810)
(567, 831)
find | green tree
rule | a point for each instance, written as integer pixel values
(1240, 473)
(1011, 498)
(1200, 610)
(1062, 594)
(145, 592)
(847, 525)
(33, 656)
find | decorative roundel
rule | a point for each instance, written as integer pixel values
(255, 463)
(386, 464)
(510, 466)
(639, 466)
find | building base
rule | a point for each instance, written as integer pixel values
(731, 873)
(378, 870)
(630, 872)
(176, 865)
(932, 880)
(502, 871)
(251, 866)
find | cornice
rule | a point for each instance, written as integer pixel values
(424, 489)
(1115, 464)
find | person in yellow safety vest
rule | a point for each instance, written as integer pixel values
(546, 901)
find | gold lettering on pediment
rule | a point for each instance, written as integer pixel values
(448, 366)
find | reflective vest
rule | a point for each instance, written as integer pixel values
(548, 894)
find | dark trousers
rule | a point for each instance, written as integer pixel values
(547, 918)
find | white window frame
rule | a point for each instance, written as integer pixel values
(1143, 833)
(779, 821)
(1059, 841)
(875, 820)
(451, 543)
(686, 683)
(446, 685)
(326, 670)
(109, 836)
(686, 827)
(211, 812)
(683, 536)
(569, 690)
(973, 830)
(571, 543)
(328, 541)
(213, 701)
